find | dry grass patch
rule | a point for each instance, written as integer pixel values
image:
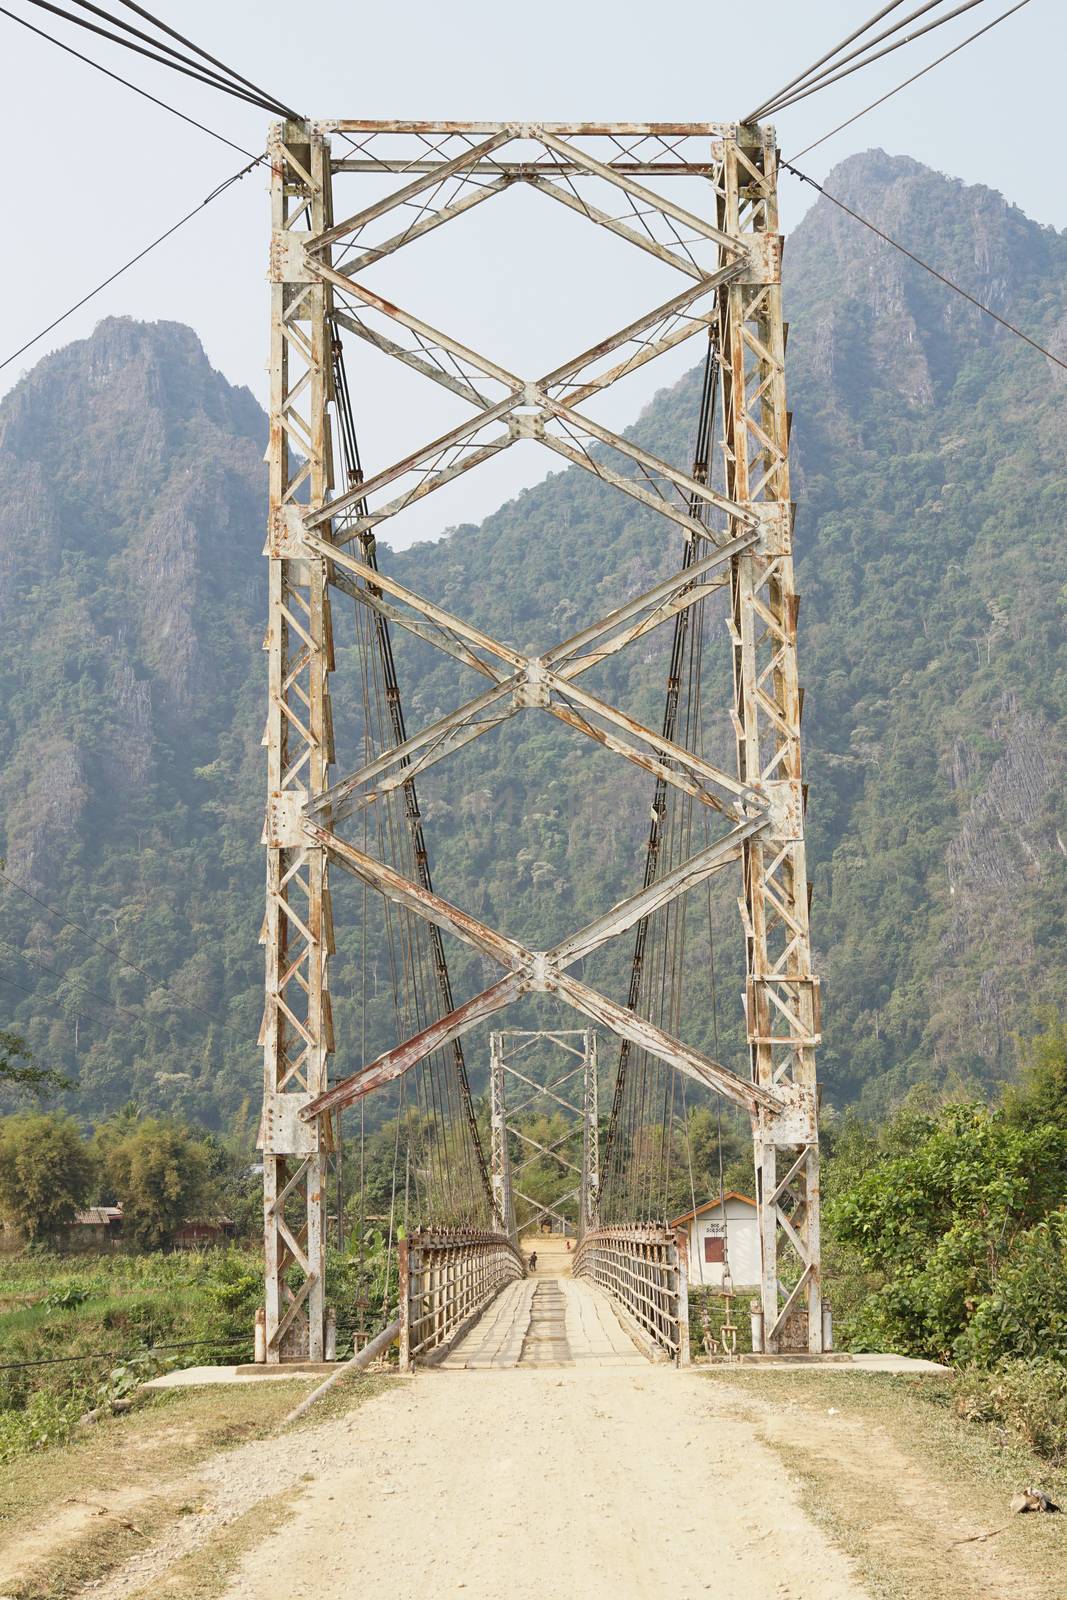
(917, 1497)
(76, 1511)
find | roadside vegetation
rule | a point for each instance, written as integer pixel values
(946, 1235)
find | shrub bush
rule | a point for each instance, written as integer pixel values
(1024, 1400)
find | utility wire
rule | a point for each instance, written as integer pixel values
(106, 1002)
(221, 189)
(120, 1355)
(118, 78)
(825, 79)
(940, 276)
(112, 950)
(913, 79)
(90, 1011)
(801, 76)
(202, 75)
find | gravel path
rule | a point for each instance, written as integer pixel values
(598, 1483)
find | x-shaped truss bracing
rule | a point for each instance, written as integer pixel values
(728, 255)
(504, 1047)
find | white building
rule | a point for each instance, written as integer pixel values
(722, 1231)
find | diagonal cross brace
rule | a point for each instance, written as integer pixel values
(539, 972)
(536, 681)
(519, 393)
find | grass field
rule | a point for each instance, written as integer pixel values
(76, 1332)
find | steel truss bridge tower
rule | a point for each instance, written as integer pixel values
(574, 1090)
(327, 228)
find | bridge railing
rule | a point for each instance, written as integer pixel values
(447, 1278)
(644, 1268)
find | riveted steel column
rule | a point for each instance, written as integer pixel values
(589, 1211)
(781, 993)
(500, 1160)
(297, 931)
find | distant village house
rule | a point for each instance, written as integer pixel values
(100, 1228)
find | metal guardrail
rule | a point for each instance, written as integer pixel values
(447, 1278)
(645, 1269)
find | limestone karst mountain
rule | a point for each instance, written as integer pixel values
(927, 449)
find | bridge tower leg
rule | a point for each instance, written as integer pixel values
(296, 1033)
(500, 1160)
(781, 999)
(589, 1208)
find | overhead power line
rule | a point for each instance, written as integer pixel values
(154, 244)
(940, 276)
(225, 1340)
(83, 1008)
(956, 48)
(118, 78)
(54, 972)
(165, 55)
(112, 950)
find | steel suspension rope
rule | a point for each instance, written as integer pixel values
(915, 76)
(812, 81)
(350, 454)
(614, 1154)
(166, 55)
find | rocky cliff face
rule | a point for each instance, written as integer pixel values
(132, 483)
(927, 449)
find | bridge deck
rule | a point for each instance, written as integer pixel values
(547, 1322)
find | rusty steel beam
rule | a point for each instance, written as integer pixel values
(540, 972)
(529, 169)
(534, 130)
(533, 683)
(392, 1064)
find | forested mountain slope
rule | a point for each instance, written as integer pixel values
(928, 450)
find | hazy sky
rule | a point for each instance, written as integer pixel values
(105, 171)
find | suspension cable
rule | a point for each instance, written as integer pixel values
(956, 48)
(834, 60)
(753, 116)
(627, 1096)
(190, 70)
(825, 79)
(118, 78)
(459, 1081)
(165, 28)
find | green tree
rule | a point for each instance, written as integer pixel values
(938, 1213)
(1025, 1314)
(158, 1172)
(18, 1070)
(1041, 1093)
(45, 1173)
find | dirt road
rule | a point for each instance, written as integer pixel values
(609, 1484)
